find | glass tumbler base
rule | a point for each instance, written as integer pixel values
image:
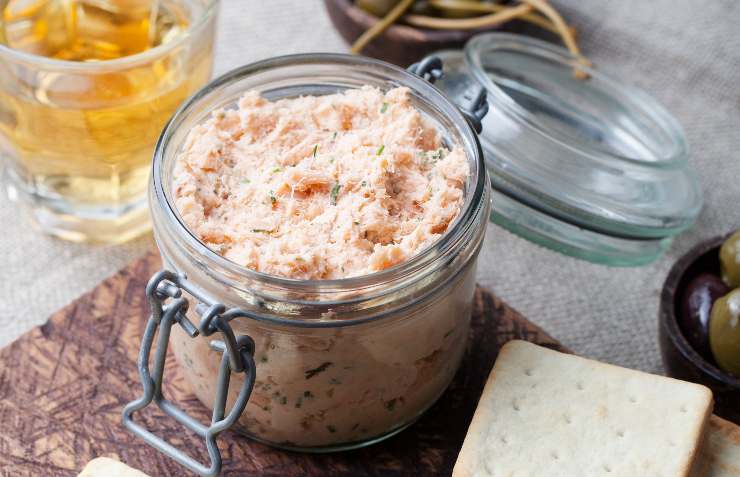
(96, 224)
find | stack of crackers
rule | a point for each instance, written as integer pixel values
(545, 413)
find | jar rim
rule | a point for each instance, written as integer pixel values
(115, 64)
(487, 42)
(455, 237)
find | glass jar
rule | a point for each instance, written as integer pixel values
(339, 363)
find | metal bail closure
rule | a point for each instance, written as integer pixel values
(471, 101)
(237, 357)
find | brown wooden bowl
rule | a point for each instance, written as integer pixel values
(399, 44)
(680, 359)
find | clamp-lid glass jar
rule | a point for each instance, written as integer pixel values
(337, 363)
(580, 163)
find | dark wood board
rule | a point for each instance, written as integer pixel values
(63, 386)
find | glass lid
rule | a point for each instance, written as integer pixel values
(577, 149)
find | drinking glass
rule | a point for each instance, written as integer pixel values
(86, 86)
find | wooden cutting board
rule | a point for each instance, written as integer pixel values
(63, 386)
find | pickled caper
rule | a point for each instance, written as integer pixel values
(460, 13)
(422, 7)
(729, 260)
(724, 332)
(379, 8)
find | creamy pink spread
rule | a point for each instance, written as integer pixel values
(319, 187)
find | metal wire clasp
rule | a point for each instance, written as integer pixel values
(164, 292)
(472, 101)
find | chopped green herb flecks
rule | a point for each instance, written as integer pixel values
(434, 156)
(380, 150)
(277, 169)
(331, 428)
(246, 181)
(320, 369)
(384, 108)
(357, 222)
(334, 136)
(262, 231)
(283, 400)
(449, 332)
(363, 183)
(390, 405)
(308, 394)
(263, 359)
(273, 199)
(315, 148)
(334, 193)
(335, 381)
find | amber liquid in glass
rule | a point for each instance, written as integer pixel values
(83, 140)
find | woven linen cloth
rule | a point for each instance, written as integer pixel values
(683, 52)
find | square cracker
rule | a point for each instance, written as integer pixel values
(107, 467)
(545, 413)
(720, 453)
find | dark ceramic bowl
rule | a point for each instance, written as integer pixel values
(680, 359)
(399, 44)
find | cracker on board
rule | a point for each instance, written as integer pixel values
(545, 413)
(719, 455)
(107, 467)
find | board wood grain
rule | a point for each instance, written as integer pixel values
(63, 386)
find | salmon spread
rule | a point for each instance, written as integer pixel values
(326, 187)
(319, 187)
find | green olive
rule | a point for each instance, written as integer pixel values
(729, 260)
(724, 332)
(379, 8)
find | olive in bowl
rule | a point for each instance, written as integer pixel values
(724, 332)
(729, 260)
(696, 307)
(685, 341)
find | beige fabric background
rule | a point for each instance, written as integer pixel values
(684, 52)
